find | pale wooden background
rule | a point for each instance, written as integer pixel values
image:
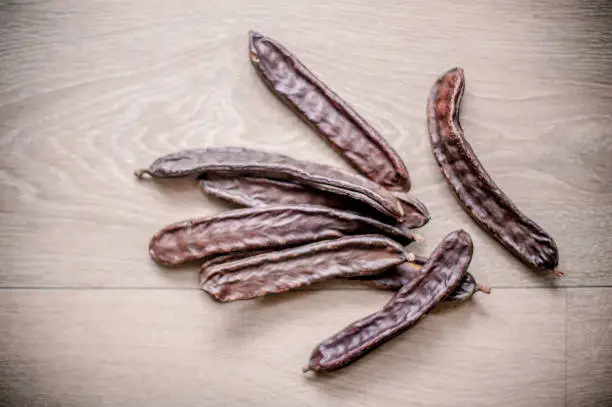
(90, 90)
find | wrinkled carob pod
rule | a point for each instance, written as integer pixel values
(333, 119)
(440, 275)
(253, 192)
(234, 162)
(479, 196)
(289, 269)
(272, 227)
(393, 278)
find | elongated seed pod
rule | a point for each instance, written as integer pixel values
(289, 269)
(235, 161)
(271, 227)
(230, 257)
(440, 275)
(253, 192)
(481, 198)
(392, 279)
(333, 119)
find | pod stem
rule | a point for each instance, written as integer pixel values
(484, 288)
(306, 369)
(558, 273)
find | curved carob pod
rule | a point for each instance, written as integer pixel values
(236, 162)
(330, 116)
(272, 227)
(254, 192)
(442, 272)
(479, 196)
(290, 269)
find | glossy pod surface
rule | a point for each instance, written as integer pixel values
(334, 119)
(481, 198)
(272, 227)
(440, 275)
(235, 162)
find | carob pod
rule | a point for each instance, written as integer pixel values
(392, 279)
(333, 119)
(253, 192)
(442, 272)
(289, 269)
(236, 161)
(271, 227)
(479, 196)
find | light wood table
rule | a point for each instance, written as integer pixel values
(92, 89)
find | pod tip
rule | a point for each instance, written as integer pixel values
(253, 36)
(306, 369)
(484, 288)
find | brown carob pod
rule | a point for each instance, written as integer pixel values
(253, 192)
(271, 227)
(236, 161)
(473, 187)
(289, 269)
(330, 116)
(442, 272)
(392, 279)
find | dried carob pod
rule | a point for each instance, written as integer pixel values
(271, 227)
(442, 272)
(333, 119)
(392, 279)
(235, 161)
(254, 191)
(289, 269)
(479, 196)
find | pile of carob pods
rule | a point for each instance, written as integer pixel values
(306, 222)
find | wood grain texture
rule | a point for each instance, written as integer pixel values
(84, 103)
(589, 347)
(92, 89)
(177, 347)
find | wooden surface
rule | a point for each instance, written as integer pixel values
(91, 90)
